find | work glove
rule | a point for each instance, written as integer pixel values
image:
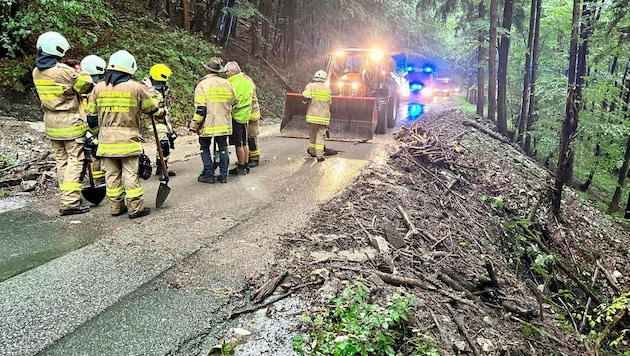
(305, 100)
(147, 82)
(90, 147)
(171, 139)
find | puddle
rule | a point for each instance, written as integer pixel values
(29, 239)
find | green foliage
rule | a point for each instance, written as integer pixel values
(39, 16)
(3, 193)
(181, 51)
(356, 327)
(14, 72)
(6, 161)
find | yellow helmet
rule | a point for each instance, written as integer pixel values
(160, 72)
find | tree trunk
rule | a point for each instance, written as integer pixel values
(623, 173)
(291, 11)
(533, 101)
(627, 214)
(527, 75)
(186, 6)
(492, 63)
(266, 33)
(570, 122)
(504, 50)
(480, 60)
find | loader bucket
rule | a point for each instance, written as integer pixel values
(352, 118)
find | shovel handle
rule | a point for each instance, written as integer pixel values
(88, 162)
(159, 148)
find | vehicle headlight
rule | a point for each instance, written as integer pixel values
(355, 85)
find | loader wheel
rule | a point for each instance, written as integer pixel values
(393, 112)
(381, 115)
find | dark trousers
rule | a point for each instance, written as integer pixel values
(221, 157)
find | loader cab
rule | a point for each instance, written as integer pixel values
(356, 72)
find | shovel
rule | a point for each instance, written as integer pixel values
(94, 194)
(164, 189)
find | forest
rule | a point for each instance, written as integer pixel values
(553, 76)
(550, 77)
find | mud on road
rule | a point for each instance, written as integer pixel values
(465, 216)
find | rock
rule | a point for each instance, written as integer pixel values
(379, 243)
(241, 333)
(28, 185)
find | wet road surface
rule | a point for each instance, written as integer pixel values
(94, 284)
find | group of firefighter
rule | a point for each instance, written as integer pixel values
(93, 112)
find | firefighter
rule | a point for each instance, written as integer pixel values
(115, 106)
(94, 65)
(253, 129)
(59, 87)
(214, 99)
(318, 97)
(158, 87)
(241, 113)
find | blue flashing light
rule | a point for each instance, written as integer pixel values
(415, 87)
(427, 69)
(415, 110)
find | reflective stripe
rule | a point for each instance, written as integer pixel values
(49, 89)
(114, 192)
(321, 95)
(311, 145)
(198, 118)
(318, 120)
(80, 83)
(70, 187)
(105, 148)
(134, 193)
(217, 95)
(147, 103)
(126, 102)
(255, 115)
(98, 174)
(62, 132)
(216, 130)
(254, 153)
(91, 107)
(319, 147)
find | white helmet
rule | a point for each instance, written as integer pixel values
(122, 61)
(93, 64)
(320, 76)
(53, 43)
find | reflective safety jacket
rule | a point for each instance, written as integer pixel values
(255, 115)
(162, 122)
(214, 99)
(318, 111)
(119, 108)
(244, 90)
(59, 89)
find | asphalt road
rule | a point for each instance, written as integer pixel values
(162, 284)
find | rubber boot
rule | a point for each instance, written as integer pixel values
(242, 169)
(206, 177)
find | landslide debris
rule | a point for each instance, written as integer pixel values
(460, 218)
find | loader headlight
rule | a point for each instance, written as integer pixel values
(355, 85)
(340, 85)
(377, 54)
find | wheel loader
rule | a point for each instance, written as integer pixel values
(365, 96)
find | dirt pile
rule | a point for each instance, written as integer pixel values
(27, 164)
(459, 217)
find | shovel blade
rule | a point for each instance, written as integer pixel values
(162, 194)
(94, 195)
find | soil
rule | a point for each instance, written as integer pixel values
(468, 232)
